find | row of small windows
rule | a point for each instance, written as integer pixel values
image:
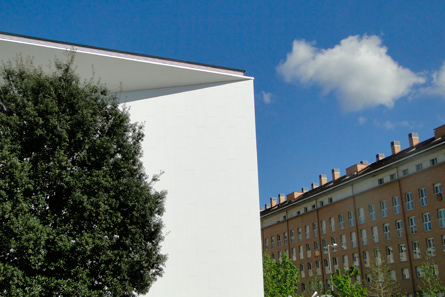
(405, 172)
(426, 220)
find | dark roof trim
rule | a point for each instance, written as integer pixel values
(121, 52)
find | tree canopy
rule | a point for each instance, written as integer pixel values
(281, 278)
(78, 215)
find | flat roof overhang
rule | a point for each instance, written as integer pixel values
(133, 72)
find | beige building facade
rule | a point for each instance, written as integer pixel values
(391, 210)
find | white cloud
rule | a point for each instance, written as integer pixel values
(359, 70)
(392, 125)
(266, 97)
(438, 83)
(361, 120)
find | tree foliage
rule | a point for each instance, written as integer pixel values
(381, 284)
(281, 278)
(78, 216)
(431, 283)
(347, 283)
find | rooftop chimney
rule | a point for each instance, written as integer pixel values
(323, 179)
(304, 190)
(335, 173)
(379, 157)
(281, 198)
(395, 147)
(357, 167)
(439, 132)
(314, 185)
(293, 196)
(267, 206)
(413, 139)
(273, 201)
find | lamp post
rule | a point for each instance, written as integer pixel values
(330, 265)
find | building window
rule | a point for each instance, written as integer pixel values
(321, 203)
(314, 229)
(402, 252)
(300, 251)
(316, 248)
(272, 242)
(299, 234)
(433, 162)
(386, 232)
(273, 257)
(341, 221)
(405, 273)
(279, 256)
(377, 257)
(409, 201)
(375, 234)
(427, 221)
(431, 249)
(323, 227)
(345, 262)
(419, 271)
(353, 240)
(416, 250)
(399, 228)
(303, 287)
(292, 236)
(309, 269)
(266, 244)
(364, 237)
(302, 272)
(438, 192)
(423, 198)
(368, 278)
(361, 215)
(333, 241)
(285, 238)
(326, 266)
(351, 218)
(443, 243)
(335, 263)
(392, 274)
(441, 215)
(389, 255)
(308, 250)
(366, 258)
(307, 232)
(355, 260)
(317, 267)
(396, 205)
(278, 240)
(325, 246)
(405, 172)
(332, 224)
(343, 242)
(412, 225)
(383, 209)
(392, 177)
(380, 181)
(330, 200)
(372, 215)
(419, 167)
(294, 255)
(305, 209)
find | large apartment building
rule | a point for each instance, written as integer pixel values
(391, 210)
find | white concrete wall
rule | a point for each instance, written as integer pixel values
(203, 138)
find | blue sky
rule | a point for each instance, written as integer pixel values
(335, 81)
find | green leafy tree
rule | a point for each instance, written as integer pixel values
(281, 278)
(347, 283)
(315, 285)
(381, 284)
(431, 283)
(78, 215)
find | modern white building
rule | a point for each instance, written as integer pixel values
(200, 130)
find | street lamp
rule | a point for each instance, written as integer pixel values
(330, 266)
